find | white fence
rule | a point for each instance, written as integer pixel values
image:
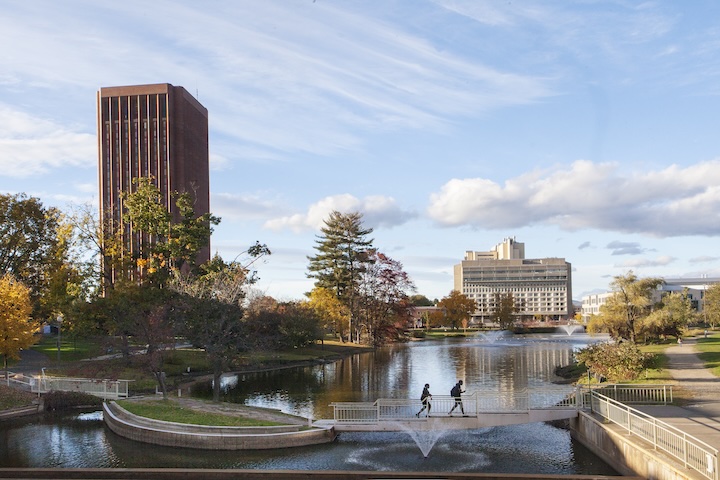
(642, 394)
(476, 403)
(108, 389)
(692, 452)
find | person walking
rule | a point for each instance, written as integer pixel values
(455, 392)
(425, 399)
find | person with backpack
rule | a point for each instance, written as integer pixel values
(455, 392)
(425, 398)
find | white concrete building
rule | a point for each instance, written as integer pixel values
(541, 288)
(695, 288)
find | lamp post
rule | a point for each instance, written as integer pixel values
(59, 324)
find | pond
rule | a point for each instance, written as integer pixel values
(500, 364)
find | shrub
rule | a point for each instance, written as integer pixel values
(56, 400)
(616, 361)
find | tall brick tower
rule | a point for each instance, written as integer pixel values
(158, 131)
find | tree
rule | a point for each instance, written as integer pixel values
(457, 307)
(420, 301)
(711, 304)
(17, 329)
(383, 298)
(505, 309)
(675, 313)
(299, 324)
(169, 243)
(342, 256)
(333, 314)
(631, 301)
(28, 243)
(616, 361)
(212, 306)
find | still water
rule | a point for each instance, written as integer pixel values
(501, 365)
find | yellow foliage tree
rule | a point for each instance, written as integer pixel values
(334, 314)
(17, 329)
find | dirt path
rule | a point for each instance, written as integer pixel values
(689, 370)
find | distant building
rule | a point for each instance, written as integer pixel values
(693, 287)
(541, 288)
(158, 131)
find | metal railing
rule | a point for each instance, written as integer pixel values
(108, 389)
(642, 394)
(389, 409)
(520, 401)
(692, 452)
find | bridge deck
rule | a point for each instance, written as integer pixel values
(455, 422)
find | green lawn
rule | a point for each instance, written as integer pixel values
(709, 349)
(169, 411)
(71, 349)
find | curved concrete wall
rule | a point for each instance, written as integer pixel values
(627, 454)
(171, 434)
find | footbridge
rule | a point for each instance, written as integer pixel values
(483, 409)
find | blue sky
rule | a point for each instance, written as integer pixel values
(588, 130)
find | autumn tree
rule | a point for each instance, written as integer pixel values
(632, 300)
(504, 310)
(17, 329)
(457, 307)
(675, 312)
(171, 243)
(333, 314)
(28, 245)
(711, 304)
(383, 298)
(342, 256)
(616, 361)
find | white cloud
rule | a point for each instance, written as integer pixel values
(245, 206)
(377, 210)
(30, 145)
(660, 261)
(670, 202)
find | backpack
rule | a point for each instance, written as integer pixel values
(455, 392)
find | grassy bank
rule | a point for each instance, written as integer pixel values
(14, 398)
(170, 411)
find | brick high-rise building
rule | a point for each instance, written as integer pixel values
(157, 131)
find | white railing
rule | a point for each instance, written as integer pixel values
(521, 401)
(629, 394)
(692, 452)
(108, 389)
(18, 379)
(389, 409)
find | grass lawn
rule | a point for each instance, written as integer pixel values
(709, 349)
(14, 398)
(70, 349)
(169, 411)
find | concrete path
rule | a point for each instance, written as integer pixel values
(700, 418)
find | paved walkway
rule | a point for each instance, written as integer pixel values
(701, 417)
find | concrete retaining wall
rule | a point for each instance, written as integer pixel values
(20, 412)
(627, 454)
(157, 432)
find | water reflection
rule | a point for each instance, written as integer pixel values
(506, 365)
(81, 440)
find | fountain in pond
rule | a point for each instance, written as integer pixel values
(423, 434)
(571, 328)
(492, 336)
